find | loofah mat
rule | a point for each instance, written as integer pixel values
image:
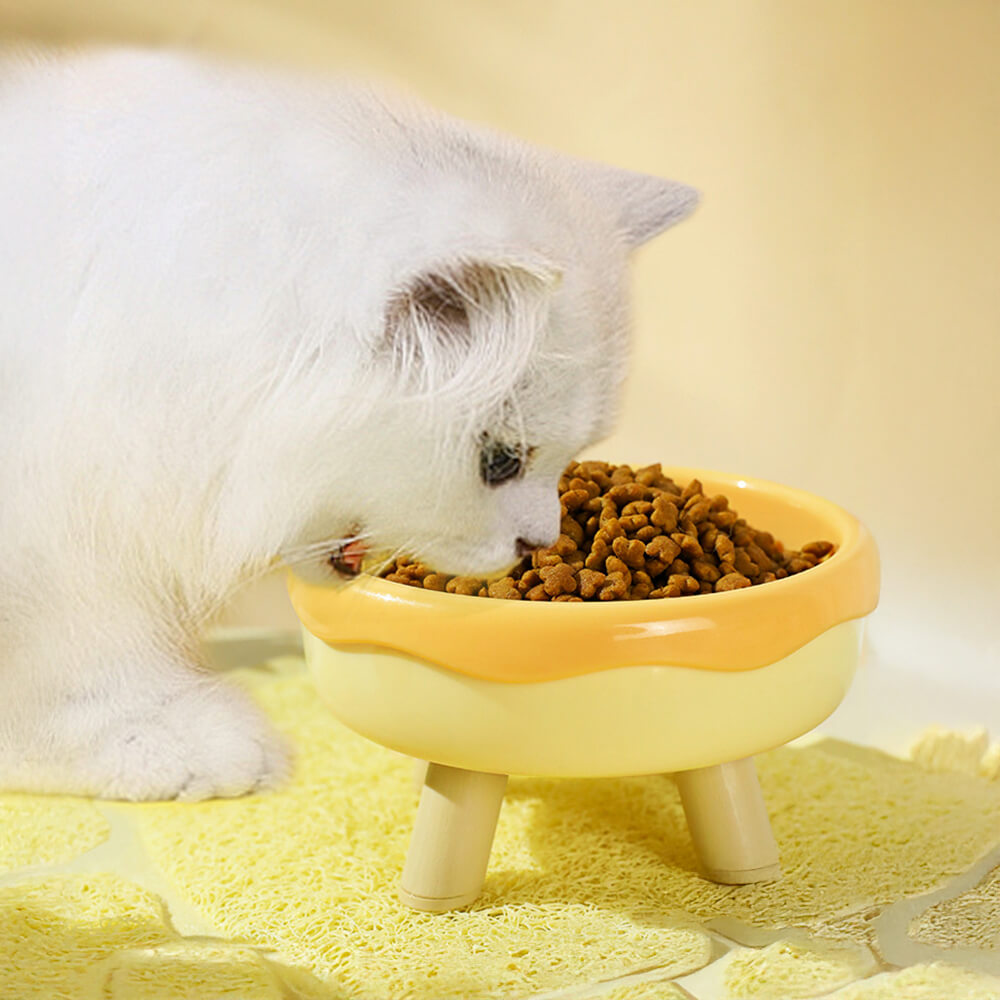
(890, 888)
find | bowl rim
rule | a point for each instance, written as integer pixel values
(844, 586)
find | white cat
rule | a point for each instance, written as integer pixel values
(248, 315)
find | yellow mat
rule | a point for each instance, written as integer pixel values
(890, 886)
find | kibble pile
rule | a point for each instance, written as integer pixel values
(632, 534)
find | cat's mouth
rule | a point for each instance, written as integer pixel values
(348, 557)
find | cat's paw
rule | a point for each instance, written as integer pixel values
(211, 741)
(175, 735)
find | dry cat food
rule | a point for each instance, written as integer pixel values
(632, 534)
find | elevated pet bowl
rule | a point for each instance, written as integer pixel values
(694, 686)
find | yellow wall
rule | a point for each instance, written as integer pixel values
(830, 318)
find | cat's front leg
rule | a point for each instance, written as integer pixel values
(117, 720)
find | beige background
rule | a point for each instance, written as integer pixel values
(831, 316)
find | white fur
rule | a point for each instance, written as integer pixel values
(214, 354)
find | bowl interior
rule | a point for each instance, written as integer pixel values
(793, 517)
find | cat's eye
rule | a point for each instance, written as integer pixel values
(499, 462)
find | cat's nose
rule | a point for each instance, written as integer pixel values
(523, 547)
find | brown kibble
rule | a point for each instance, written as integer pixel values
(599, 472)
(688, 544)
(688, 527)
(566, 544)
(631, 552)
(567, 597)
(573, 499)
(692, 489)
(664, 513)
(545, 557)
(590, 582)
(744, 564)
(705, 571)
(818, 549)
(570, 526)
(582, 483)
(766, 541)
(633, 522)
(724, 519)
(468, 586)
(684, 583)
(649, 474)
(637, 507)
(537, 594)
(558, 580)
(732, 581)
(698, 509)
(610, 528)
(707, 534)
(724, 547)
(760, 557)
(663, 548)
(599, 551)
(615, 587)
(798, 564)
(618, 567)
(625, 492)
(648, 533)
(504, 588)
(438, 581)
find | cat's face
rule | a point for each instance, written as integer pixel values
(470, 495)
(496, 369)
(507, 369)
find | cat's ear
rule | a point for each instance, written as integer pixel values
(465, 328)
(645, 205)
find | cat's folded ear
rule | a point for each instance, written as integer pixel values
(645, 205)
(465, 328)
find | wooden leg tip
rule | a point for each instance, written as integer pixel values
(436, 904)
(744, 876)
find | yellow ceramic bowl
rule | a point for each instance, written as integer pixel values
(602, 688)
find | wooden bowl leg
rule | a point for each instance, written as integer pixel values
(452, 837)
(729, 823)
(419, 774)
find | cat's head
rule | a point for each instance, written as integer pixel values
(499, 365)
